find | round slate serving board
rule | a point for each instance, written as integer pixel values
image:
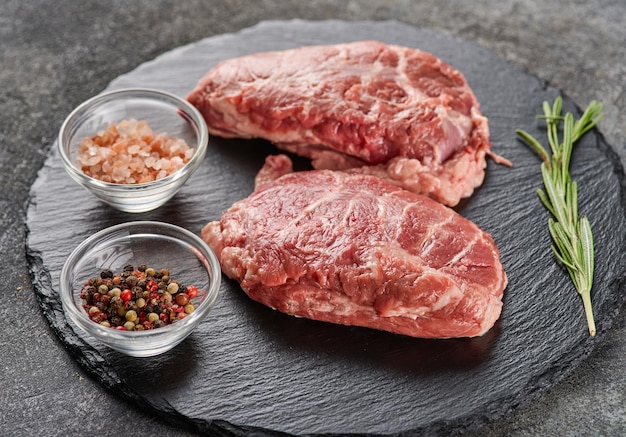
(248, 369)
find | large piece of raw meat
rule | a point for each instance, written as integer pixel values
(395, 112)
(356, 250)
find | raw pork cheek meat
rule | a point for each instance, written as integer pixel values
(356, 250)
(398, 113)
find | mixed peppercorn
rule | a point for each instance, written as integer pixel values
(137, 299)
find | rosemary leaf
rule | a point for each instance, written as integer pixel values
(535, 145)
(572, 200)
(563, 243)
(557, 202)
(571, 236)
(587, 246)
(546, 202)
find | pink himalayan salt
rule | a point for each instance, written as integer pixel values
(131, 153)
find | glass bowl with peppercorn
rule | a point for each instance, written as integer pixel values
(133, 148)
(140, 287)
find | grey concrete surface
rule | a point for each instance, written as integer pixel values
(54, 54)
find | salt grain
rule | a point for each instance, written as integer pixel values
(130, 153)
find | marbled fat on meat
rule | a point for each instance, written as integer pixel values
(395, 112)
(356, 250)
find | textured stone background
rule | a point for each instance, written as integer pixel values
(54, 54)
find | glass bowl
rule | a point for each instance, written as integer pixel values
(164, 112)
(155, 244)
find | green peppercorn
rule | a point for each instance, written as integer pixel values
(141, 302)
(129, 326)
(131, 315)
(153, 317)
(103, 289)
(189, 308)
(150, 272)
(172, 288)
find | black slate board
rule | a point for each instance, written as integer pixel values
(248, 369)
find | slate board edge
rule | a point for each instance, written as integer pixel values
(76, 346)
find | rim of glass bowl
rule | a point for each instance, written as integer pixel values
(197, 245)
(190, 114)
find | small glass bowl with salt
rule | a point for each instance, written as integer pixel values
(133, 148)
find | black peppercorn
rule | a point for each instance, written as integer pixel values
(159, 323)
(137, 292)
(131, 280)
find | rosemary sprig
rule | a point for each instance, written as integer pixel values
(571, 235)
